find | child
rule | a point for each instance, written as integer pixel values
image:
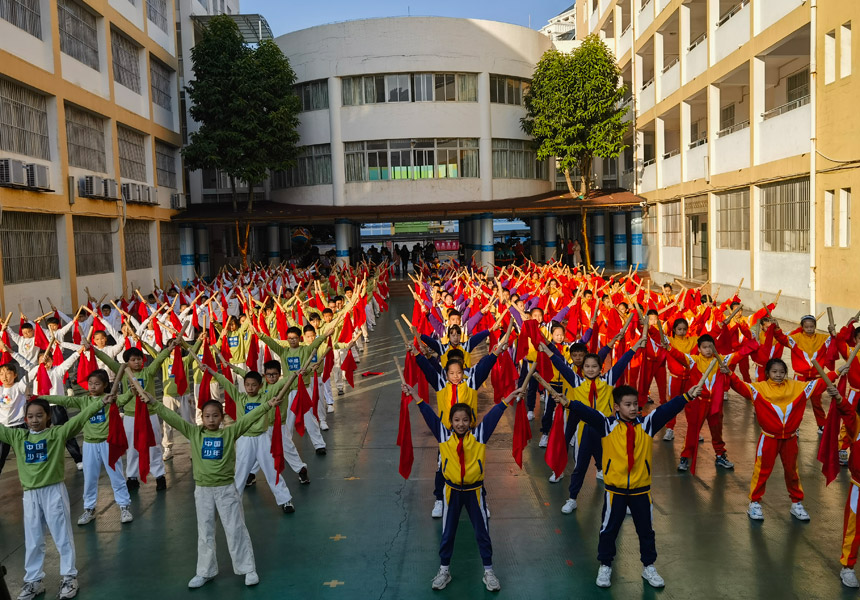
(627, 472)
(213, 460)
(13, 400)
(39, 454)
(463, 450)
(96, 450)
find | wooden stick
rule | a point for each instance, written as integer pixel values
(731, 316)
(778, 294)
(118, 379)
(821, 314)
(402, 333)
(400, 371)
(821, 372)
(547, 386)
(830, 316)
(738, 289)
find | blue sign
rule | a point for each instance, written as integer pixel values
(99, 417)
(35, 453)
(251, 406)
(213, 448)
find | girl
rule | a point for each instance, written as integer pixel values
(213, 461)
(679, 375)
(463, 451)
(39, 454)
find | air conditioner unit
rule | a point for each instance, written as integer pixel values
(177, 202)
(12, 172)
(110, 189)
(153, 195)
(125, 191)
(38, 176)
(91, 186)
(135, 192)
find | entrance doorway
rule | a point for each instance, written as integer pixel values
(697, 247)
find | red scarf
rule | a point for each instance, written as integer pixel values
(556, 451)
(253, 353)
(461, 456)
(348, 367)
(301, 405)
(177, 369)
(315, 396)
(631, 442)
(404, 429)
(277, 447)
(328, 363)
(522, 432)
(43, 381)
(116, 439)
(144, 437)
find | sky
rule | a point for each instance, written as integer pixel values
(291, 15)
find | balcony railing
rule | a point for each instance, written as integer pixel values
(628, 170)
(698, 41)
(732, 12)
(644, 4)
(647, 83)
(670, 64)
(671, 153)
(699, 142)
(733, 128)
(626, 29)
(649, 162)
(775, 112)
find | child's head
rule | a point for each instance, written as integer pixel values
(53, 323)
(667, 287)
(808, 324)
(578, 350)
(38, 415)
(591, 366)
(213, 414)
(309, 333)
(134, 358)
(557, 330)
(653, 318)
(272, 371)
(100, 339)
(232, 324)
(454, 370)
(587, 295)
(680, 327)
(536, 314)
(461, 418)
(776, 370)
(294, 335)
(98, 382)
(253, 382)
(706, 345)
(8, 374)
(314, 319)
(626, 401)
(454, 333)
(328, 315)
(27, 330)
(454, 317)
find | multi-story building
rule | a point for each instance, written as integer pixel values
(740, 141)
(90, 170)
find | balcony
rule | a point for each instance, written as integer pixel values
(732, 148)
(646, 17)
(646, 96)
(671, 79)
(784, 131)
(627, 178)
(733, 30)
(671, 168)
(697, 160)
(648, 183)
(771, 11)
(697, 58)
(603, 6)
(625, 42)
(592, 21)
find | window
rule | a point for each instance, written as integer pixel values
(649, 228)
(844, 217)
(126, 61)
(160, 77)
(23, 14)
(29, 246)
(829, 219)
(423, 87)
(313, 94)
(845, 50)
(467, 87)
(313, 167)
(727, 116)
(785, 216)
(132, 154)
(169, 243)
(156, 11)
(355, 164)
(830, 57)
(515, 159)
(165, 165)
(797, 85)
(733, 220)
(445, 87)
(508, 90)
(671, 223)
(23, 121)
(93, 245)
(397, 88)
(406, 87)
(137, 246)
(78, 33)
(384, 160)
(85, 136)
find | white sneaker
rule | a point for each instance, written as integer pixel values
(438, 509)
(669, 435)
(69, 588)
(544, 441)
(80, 466)
(554, 479)
(88, 516)
(599, 475)
(168, 454)
(798, 512)
(198, 581)
(569, 506)
(604, 576)
(125, 515)
(31, 589)
(754, 512)
(849, 578)
(491, 581)
(323, 426)
(531, 415)
(252, 578)
(442, 579)
(651, 575)
(329, 408)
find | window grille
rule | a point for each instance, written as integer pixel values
(85, 135)
(126, 61)
(785, 216)
(160, 77)
(93, 245)
(409, 87)
(733, 220)
(23, 14)
(23, 121)
(78, 33)
(169, 243)
(137, 247)
(165, 164)
(156, 11)
(672, 223)
(29, 245)
(132, 154)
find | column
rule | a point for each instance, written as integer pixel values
(685, 137)
(341, 240)
(338, 172)
(713, 128)
(273, 233)
(461, 235)
(286, 241)
(487, 254)
(658, 67)
(485, 142)
(758, 86)
(550, 237)
(659, 150)
(537, 236)
(202, 235)
(599, 258)
(619, 239)
(186, 252)
(476, 238)
(637, 258)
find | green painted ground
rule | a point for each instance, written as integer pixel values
(367, 533)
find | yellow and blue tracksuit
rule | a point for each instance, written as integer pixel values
(440, 348)
(463, 461)
(627, 447)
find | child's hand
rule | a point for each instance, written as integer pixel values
(500, 348)
(696, 390)
(545, 349)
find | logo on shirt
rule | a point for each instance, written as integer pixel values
(35, 453)
(294, 363)
(251, 406)
(99, 417)
(233, 342)
(213, 448)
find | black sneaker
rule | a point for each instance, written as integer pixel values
(160, 483)
(252, 479)
(303, 476)
(320, 451)
(132, 483)
(684, 465)
(288, 508)
(340, 392)
(723, 461)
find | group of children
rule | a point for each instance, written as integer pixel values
(293, 337)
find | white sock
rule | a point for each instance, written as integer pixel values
(443, 569)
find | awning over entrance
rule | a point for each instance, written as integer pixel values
(555, 203)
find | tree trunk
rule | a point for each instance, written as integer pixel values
(234, 196)
(585, 178)
(585, 240)
(250, 197)
(569, 183)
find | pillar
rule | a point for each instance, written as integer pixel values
(637, 258)
(286, 241)
(599, 258)
(485, 142)
(338, 170)
(202, 247)
(461, 235)
(619, 240)
(487, 254)
(550, 237)
(537, 236)
(341, 240)
(273, 234)
(186, 252)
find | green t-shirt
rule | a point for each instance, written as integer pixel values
(292, 359)
(167, 378)
(40, 455)
(97, 426)
(246, 403)
(145, 377)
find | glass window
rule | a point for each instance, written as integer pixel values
(727, 116)
(354, 163)
(23, 14)
(314, 94)
(785, 216)
(156, 12)
(29, 246)
(671, 223)
(23, 121)
(397, 88)
(85, 137)
(126, 61)
(423, 87)
(78, 33)
(733, 219)
(160, 77)
(93, 245)
(467, 87)
(445, 90)
(137, 246)
(169, 243)
(797, 85)
(165, 164)
(132, 154)
(352, 91)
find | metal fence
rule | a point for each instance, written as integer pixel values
(23, 121)
(29, 245)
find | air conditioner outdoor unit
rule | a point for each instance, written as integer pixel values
(91, 186)
(125, 191)
(38, 176)
(153, 195)
(177, 202)
(12, 172)
(111, 189)
(135, 192)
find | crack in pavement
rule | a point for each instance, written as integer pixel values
(387, 555)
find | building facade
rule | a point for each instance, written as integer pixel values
(90, 169)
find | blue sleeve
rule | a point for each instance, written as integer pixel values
(564, 370)
(474, 341)
(432, 372)
(488, 424)
(532, 302)
(589, 415)
(603, 353)
(587, 335)
(473, 321)
(432, 420)
(560, 315)
(483, 368)
(434, 345)
(664, 413)
(618, 368)
(516, 315)
(436, 324)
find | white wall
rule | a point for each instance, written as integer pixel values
(729, 266)
(733, 34)
(732, 151)
(132, 12)
(695, 163)
(83, 76)
(671, 260)
(786, 271)
(29, 294)
(784, 135)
